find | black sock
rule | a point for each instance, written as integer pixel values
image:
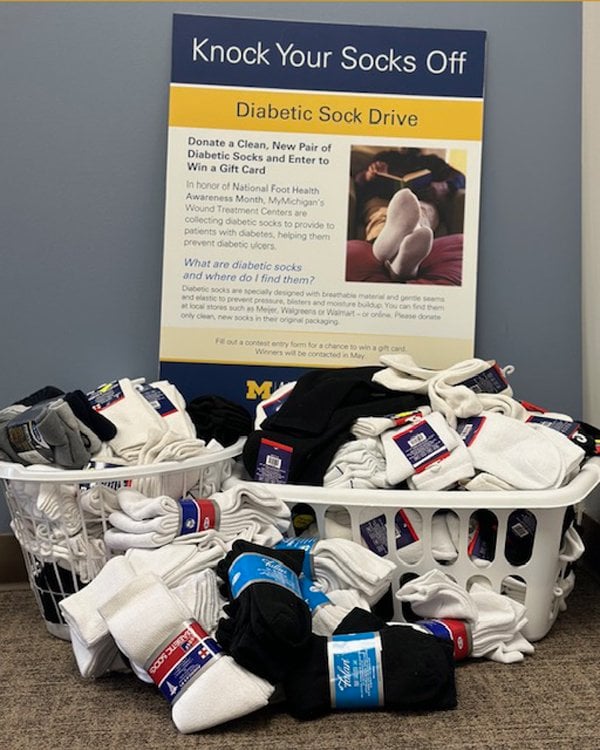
(268, 623)
(417, 674)
(43, 394)
(218, 418)
(82, 409)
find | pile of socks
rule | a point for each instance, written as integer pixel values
(403, 426)
(219, 630)
(118, 424)
(128, 421)
(161, 635)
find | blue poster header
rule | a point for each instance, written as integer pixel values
(254, 53)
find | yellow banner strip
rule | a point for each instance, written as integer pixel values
(326, 114)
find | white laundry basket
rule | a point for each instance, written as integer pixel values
(538, 576)
(59, 516)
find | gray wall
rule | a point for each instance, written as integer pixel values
(83, 126)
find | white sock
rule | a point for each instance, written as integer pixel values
(563, 587)
(484, 482)
(501, 403)
(146, 522)
(169, 446)
(436, 595)
(174, 563)
(572, 546)
(402, 373)
(343, 564)
(499, 620)
(403, 217)
(413, 250)
(444, 474)
(92, 644)
(411, 550)
(358, 463)
(170, 405)
(366, 427)
(411, 450)
(328, 616)
(512, 451)
(571, 453)
(145, 617)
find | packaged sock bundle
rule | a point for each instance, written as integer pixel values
(47, 433)
(359, 463)
(495, 620)
(146, 522)
(392, 668)
(462, 390)
(340, 563)
(268, 623)
(158, 633)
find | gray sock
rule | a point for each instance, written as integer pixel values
(82, 442)
(7, 452)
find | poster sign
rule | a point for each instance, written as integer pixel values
(322, 199)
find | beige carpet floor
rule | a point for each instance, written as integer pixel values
(551, 701)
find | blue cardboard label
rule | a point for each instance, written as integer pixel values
(355, 671)
(374, 535)
(273, 462)
(312, 594)
(251, 567)
(105, 395)
(158, 400)
(469, 428)
(560, 425)
(405, 533)
(305, 543)
(421, 445)
(489, 381)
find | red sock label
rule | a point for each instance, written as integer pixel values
(196, 515)
(182, 659)
(456, 631)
